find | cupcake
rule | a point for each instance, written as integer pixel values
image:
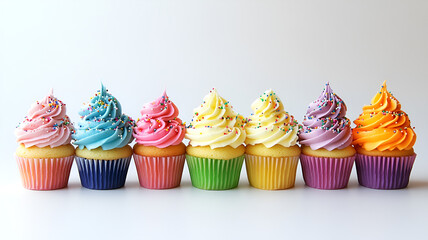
(102, 136)
(215, 153)
(384, 142)
(271, 154)
(44, 154)
(159, 154)
(327, 154)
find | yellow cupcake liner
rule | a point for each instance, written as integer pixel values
(271, 173)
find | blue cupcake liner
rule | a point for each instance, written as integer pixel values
(103, 174)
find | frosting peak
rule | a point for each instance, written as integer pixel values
(328, 105)
(102, 123)
(215, 124)
(325, 124)
(159, 125)
(46, 124)
(270, 124)
(383, 125)
(383, 101)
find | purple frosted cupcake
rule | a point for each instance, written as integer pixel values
(327, 154)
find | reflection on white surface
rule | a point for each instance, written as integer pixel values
(133, 212)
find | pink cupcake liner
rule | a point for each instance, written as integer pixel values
(384, 172)
(326, 173)
(45, 173)
(159, 172)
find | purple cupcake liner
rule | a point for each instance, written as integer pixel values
(384, 172)
(326, 173)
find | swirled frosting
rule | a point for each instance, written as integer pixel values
(270, 124)
(383, 125)
(325, 124)
(102, 123)
(159, 125)
(215, 124)
(46, 124)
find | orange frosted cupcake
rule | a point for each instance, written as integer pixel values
(384, 142)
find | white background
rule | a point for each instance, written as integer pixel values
(140, 48)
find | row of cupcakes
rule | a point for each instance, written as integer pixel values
(220, 140)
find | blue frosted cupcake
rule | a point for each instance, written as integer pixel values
(102, 136)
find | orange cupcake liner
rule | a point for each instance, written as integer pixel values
(45, 173)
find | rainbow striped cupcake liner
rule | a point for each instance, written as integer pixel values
(379, 172)
(271, 173)
(326, 173)
(214, 174)
(45, 173)
(103, 174)
(159, 172)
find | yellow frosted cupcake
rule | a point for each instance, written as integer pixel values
(272, 154)
(384, 142)
(215, 153)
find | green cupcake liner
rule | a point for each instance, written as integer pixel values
(214, 174)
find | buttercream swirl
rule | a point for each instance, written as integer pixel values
(102, 123)
(46, 124)
(383, 125)
(325, 124)
(270, 124)
(159, 125)
(215, 124)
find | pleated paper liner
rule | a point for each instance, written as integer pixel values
(103, 174)
(214, 174)
(384, 172)
(45, 173)
(159, 172)
(271, 173)
(326, 173)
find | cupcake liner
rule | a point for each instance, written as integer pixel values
(214, 174)
(103, 174)
(159, 172)
(384, 172)
(45, 173)
(326, 172)
(271, 173)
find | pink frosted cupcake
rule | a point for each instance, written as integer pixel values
(159, 153)
(44, 154)
(327, 154)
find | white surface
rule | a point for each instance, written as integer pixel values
(138, 48)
